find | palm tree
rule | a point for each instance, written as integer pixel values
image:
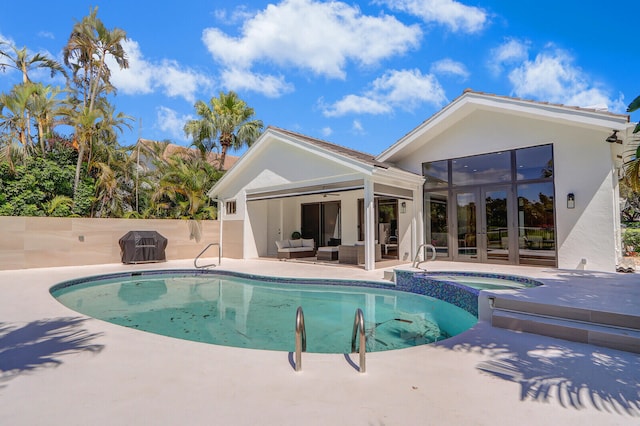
(632, 166)
(44, 106)
(228, 118)
(19, 59)
(14, 113)
(203, 131)
(86, 51)
(180, 184)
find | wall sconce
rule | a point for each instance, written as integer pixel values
(571, 201)
(403, 207)
(613, 138)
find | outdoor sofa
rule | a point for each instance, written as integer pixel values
(302, 247)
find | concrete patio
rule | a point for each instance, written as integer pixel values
(59, 367)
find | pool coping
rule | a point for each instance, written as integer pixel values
(156, 379)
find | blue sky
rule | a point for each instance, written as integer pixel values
(360, 74)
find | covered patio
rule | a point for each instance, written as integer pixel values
(355, 209)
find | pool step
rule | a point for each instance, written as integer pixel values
(616, 331)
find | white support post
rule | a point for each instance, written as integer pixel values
(369, 227)
(221, 208)
(417, 221)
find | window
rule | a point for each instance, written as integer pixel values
(493, 207)
(231, 207)
(480, 169)
(534, 163)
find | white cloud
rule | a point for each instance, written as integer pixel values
(326, 132)
(354, 104)
(46, 34)
(320, 37)
(552, 76)
(238, 15)
(453, 14)
(268, 85)
(448, 66)
(405, 89)
(510, 52)
(171, 122)
(356, 127)
(143, 76)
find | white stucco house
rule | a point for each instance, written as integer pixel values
(488, 179)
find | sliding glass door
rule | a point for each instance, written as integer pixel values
(321, 221)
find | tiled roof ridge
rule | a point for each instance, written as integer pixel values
(340, 149)
(533, 101)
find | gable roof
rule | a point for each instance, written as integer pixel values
(471, 100)
(336, 149)
(357, 161)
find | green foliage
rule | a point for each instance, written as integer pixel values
(83, 198)
(88, 173)
(631, 240)
(29, 187)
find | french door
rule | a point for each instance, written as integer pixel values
(484, 227)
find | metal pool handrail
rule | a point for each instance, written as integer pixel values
(195, 261)
(358, 324)
(426, 246)
(301, 338)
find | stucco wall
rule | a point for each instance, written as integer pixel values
(582, 165)
(34, 242)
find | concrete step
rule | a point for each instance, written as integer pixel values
(621, 338)
(564, 311)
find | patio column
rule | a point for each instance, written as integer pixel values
(417, 221)
(369, 227)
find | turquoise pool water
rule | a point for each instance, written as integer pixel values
(260, 314)
(484, 282)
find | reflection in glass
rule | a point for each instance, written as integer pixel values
(536, 225)
(486, 168)
(466, 208)
(535, 162)
(497, 225)
(436, 174)
(437, 229)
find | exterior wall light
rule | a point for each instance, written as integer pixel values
(571, 201)
(613, 138)
(403, 207)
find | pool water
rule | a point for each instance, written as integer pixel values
(250, 313)
(481, 282)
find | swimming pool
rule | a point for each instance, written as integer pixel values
(483, 281)
(259, 312)
(461, 289)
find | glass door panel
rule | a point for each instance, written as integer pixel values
(466, 203)
(436, 206)
(536, 224)
(495, 226)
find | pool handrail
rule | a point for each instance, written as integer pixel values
(195, 261)
(416, 262)
(301, 338)
(358, 325)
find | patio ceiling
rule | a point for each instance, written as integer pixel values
(296, 190)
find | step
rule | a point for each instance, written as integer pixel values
(624, 339)
(569, 312)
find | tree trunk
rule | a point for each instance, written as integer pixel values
(76, 181)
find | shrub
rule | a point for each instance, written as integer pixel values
(631, 240)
